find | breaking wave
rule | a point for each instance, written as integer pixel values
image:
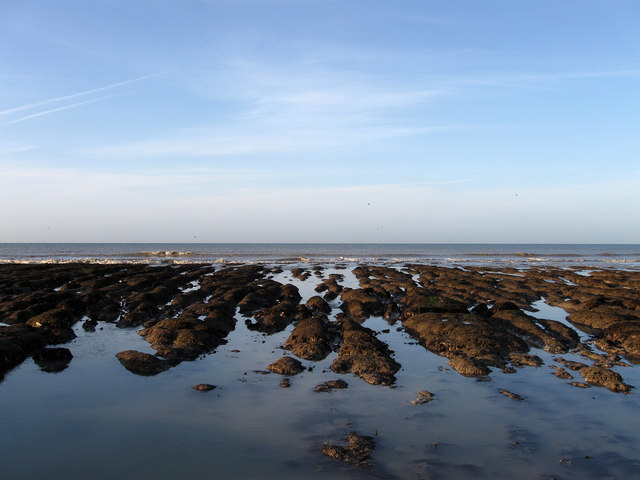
(461, 256)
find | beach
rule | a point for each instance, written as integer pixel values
(314, 368)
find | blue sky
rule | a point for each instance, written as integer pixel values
(320, 121)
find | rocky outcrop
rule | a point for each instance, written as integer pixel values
(142, 363)
(312, 338)
(187, 337)
(363, 354)
(286, 366)
(331, 385)
(357, 451)
(472, 343)
(603, 377)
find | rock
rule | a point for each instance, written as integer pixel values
(503, 306)
(53, 359)
(312, 338)
(601, 317)
(622, 338)
(275, 319)
(331, 286)
(570, 364)
(522, 360)
(300, 273)
(286, 366)
(511, 395)
(561, 373)
(580, 384)
(392, 312)
(56, 325)
(290, 293)
(331, 385)
(472, 342)
(423, 397)
(360, 303)
(357, 451)
(603, 377)
(530, 330)
(186, 337)
(418, 301)
(366, 356)
(317, 304)
(204, 387)
(142, 363)
(468, 367)
(89, 325)
(481, 310)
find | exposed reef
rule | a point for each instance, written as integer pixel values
(479, 319)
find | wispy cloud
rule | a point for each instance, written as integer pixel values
(210, 143)
(291, 109)
(525, 78)
(70, 181)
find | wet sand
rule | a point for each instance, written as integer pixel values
(449, 373)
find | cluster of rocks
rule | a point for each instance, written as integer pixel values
(357, 450)
(477, 319)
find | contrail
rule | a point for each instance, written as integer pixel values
(65, 107)
(75, 95)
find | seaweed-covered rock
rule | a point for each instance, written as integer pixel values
(357, 451)
(603, 377)
(511, 395)
(186, 337)
(471, 342)
(419, 300)
(468, 367)
(318, 305)
(366, 356)
(278, 317)
(312, 338)
(331, 385)
(622, 338)
(286, 366)
(142, 363)
(204, 387)
(360, 303)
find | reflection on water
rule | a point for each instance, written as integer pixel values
(96, 420)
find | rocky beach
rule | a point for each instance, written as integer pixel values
(349, 371)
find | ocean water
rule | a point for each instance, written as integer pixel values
(512, 255)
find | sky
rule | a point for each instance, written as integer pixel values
(424, 121)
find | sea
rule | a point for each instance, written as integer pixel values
(625, 256)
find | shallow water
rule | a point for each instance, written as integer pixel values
(96, 420)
